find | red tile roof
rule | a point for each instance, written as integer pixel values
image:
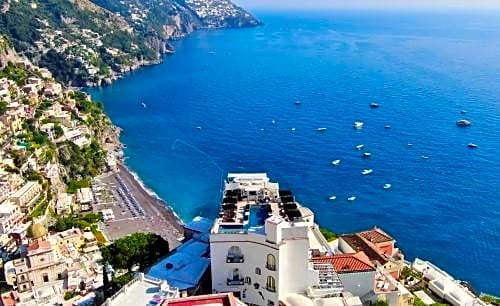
(347, 263)
(222, 299)
(357, 243)
(38, 244)
(376, 235)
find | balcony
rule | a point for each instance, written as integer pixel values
(235, 282)
(235, 259)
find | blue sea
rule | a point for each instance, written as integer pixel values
(211, 106)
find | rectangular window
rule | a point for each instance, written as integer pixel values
(45, 278)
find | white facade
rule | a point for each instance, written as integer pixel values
(10, 217)
(260, 245)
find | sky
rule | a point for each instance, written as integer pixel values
(395, 4)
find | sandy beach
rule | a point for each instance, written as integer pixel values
(140, 211)
(150, 201)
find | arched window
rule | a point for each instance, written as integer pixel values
(271, 284)
(234, 255)
(248, 280)
(234, 278)
(271, 262)
(257, 271)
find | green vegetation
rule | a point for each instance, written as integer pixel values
(122, 280)
(407, 272)
(3, 107)
(81, 163)
(40, 209)
(490, 299)
(142, 249)
(380, 303)
(419, 302)
(68, 295)
(74, 185)
(15, 73)
(328, 234)
(101, 240)
(88, 221)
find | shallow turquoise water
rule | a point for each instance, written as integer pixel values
(423, 68)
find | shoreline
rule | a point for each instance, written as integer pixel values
(161, 205)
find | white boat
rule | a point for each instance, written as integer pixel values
(333, 198)
(463, 112)
(472, 145)
(360, 146)
(273, 121)
(387, 127)
(366, 171)
(336, 162)
(293, 129)
(374, 105)
(387, 186)
(424, 157)
(143, 105)
(358, 125)
(410, 144)
(322, 129)
(298, 102)
(351, 198)
(198, 127)
(463, 123)
(367, 154)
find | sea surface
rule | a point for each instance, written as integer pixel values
(211, 106)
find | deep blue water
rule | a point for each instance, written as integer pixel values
(422, 67)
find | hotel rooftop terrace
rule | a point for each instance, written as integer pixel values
(249, 199)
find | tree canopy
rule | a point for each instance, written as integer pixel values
(142, 249)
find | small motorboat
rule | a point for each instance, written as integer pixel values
(298, 102)
(463, 112)
(374, 105)
(198, 127)
(367, 154)
(358, 125)
(351, 198)
(463, 123)
(410, 144)
(360, 146)
(293, 129)
(472, 145)
(336, 162)
(143, 105)
(273, 122)
(387, 127)
(387, 186)
(366, 171)
(322, 129)
(332, 198)
(424, 157)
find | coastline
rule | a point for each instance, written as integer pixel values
(165, 209)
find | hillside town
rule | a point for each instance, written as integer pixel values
(92, 43)
(78, 228)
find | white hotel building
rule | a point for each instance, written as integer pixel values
(261, 247)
